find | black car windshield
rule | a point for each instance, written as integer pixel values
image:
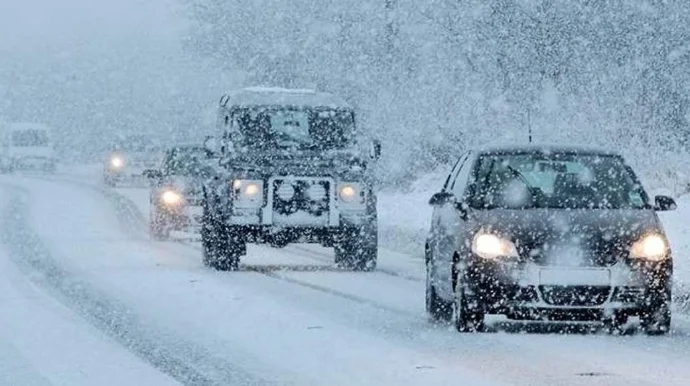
(29, 138)
(186, 161)
(303, 128)
(553, 180)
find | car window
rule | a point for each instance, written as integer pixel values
(460, 182)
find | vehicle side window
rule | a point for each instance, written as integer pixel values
(167, 163)
(459, 185)
(454, 172)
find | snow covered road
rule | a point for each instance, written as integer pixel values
(87, 298)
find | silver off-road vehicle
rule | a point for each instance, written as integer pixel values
(291, 170)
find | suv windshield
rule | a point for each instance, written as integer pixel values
(186, 161)
(561, 181)
(27, 138)
(308, 129)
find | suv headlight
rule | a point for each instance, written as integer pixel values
(652, 247)
(248, 193)
(350, 193)
(490, 246)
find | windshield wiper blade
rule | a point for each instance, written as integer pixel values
(525, 181)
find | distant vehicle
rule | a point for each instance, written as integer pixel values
(27, 146)
(176, 190)
(548, 233)
(127, 159)
(292, 170)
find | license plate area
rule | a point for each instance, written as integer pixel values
(575, 277)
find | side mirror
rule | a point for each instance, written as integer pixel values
(211, 144)
(664, 203)
(375, 151)
(440, 198)
(152, 174)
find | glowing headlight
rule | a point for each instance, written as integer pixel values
(171, 198)
(489, 246)
(117, 162)
(651, 247)
(248, 193)
(348, 192)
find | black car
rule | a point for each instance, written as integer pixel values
(548, 233)
(176, 190)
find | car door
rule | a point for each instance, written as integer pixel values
(451, 224)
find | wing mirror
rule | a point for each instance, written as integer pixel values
(440, 198)
(212, 144)
(375, 150)
(152, 174)
(664, 203)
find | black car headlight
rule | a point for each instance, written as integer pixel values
(651, 247)
(491, 246)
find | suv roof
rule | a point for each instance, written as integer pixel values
(272, 96)
(545, 148)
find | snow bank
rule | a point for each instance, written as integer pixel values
(405, 214)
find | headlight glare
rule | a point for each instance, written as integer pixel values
(348, 192)
(490, 246)
(248, 193)
(117, 162)
(170, 197)
(652, 247)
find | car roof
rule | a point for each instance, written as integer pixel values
(545, 148)
(272, 96)
(27, 126)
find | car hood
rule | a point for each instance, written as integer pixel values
(569, 237)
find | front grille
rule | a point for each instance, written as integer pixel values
(628, 294)
(585, 296)
(303, 195)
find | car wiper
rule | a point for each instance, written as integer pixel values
(525, 181)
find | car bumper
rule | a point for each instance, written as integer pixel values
(182, 218)
(525, 292)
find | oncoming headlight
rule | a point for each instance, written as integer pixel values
(490, 246)
(170, 197)
(350, 193)
(117, 162)
(248, 193)
(652, 247)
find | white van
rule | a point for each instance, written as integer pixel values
(27, 146)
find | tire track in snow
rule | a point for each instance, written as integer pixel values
(182, 360)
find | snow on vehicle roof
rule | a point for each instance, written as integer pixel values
(272, 96)
(27, 126)
(546, 148)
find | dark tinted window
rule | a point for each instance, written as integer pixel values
(27, 138)
(318, 129)
(553, 180)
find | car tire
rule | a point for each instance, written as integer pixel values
(614, 324)
(467, 317)
(157, 227)
(357, 249)
(656, 320)
(221, 249)
(438, 309)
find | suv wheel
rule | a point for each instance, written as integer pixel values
(357, 249)
(221, 248)
(439, 309)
